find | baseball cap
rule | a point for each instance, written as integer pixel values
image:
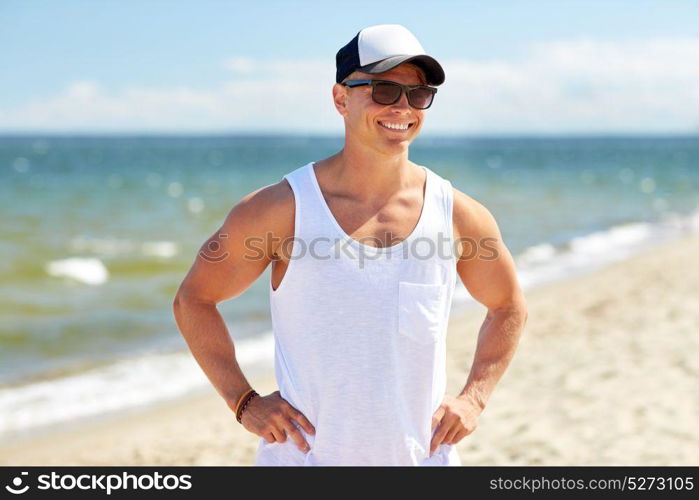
(379, 48)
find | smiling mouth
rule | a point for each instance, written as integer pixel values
(397, 129)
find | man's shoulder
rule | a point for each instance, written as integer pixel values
(269, 208)
(270, 198)
(471, 217)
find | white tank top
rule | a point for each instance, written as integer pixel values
(360, 335)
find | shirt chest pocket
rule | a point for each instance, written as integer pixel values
(421, 309)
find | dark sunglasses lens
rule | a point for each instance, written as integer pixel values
(421, 98)
(386, 93)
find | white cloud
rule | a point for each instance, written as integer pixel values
(240, 65)
(583, 85)
(566, 86)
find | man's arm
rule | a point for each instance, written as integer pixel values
(488, 272)
(226, 265)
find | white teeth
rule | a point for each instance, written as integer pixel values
(395, 126)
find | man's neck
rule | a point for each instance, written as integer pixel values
(370, 174)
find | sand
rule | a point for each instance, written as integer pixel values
(606, 373)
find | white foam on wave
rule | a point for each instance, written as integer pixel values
(102, 246)
(125, 384)
(537, 254)
(88, 270)
(544, 262)
(109, 247)
(165, 249)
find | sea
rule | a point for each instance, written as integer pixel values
(97, 234)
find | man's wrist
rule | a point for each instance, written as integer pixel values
(243, 403)
(233, 400)
(474, 398)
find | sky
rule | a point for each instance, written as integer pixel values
(512, 67)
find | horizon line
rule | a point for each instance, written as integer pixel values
(310, 135)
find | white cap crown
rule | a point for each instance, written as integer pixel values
(385, 40)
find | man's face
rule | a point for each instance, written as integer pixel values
(364, 118)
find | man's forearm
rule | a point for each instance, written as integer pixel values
(208, 339)
(497, 342)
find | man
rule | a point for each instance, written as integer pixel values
(359, 307)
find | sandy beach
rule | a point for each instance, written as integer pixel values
(606, 373)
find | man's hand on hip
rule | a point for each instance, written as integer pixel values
(273, 418)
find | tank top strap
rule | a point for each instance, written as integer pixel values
(439, 203)
(310, 220)
(448, 205)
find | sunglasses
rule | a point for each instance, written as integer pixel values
(386, 92)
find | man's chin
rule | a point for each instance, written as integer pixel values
(395, 144)
(396, 139)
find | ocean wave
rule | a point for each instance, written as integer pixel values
(545, 262)
(109, 247)
(88, 270)
(122, 385)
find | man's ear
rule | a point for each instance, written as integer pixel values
(340, 98)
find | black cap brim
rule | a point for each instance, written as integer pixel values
(433, 70)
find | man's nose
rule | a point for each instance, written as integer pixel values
(402, 103)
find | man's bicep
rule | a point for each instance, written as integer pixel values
(486, 266)
(231, 259)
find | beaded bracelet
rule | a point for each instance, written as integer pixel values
(241, 409)
(241, 398)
